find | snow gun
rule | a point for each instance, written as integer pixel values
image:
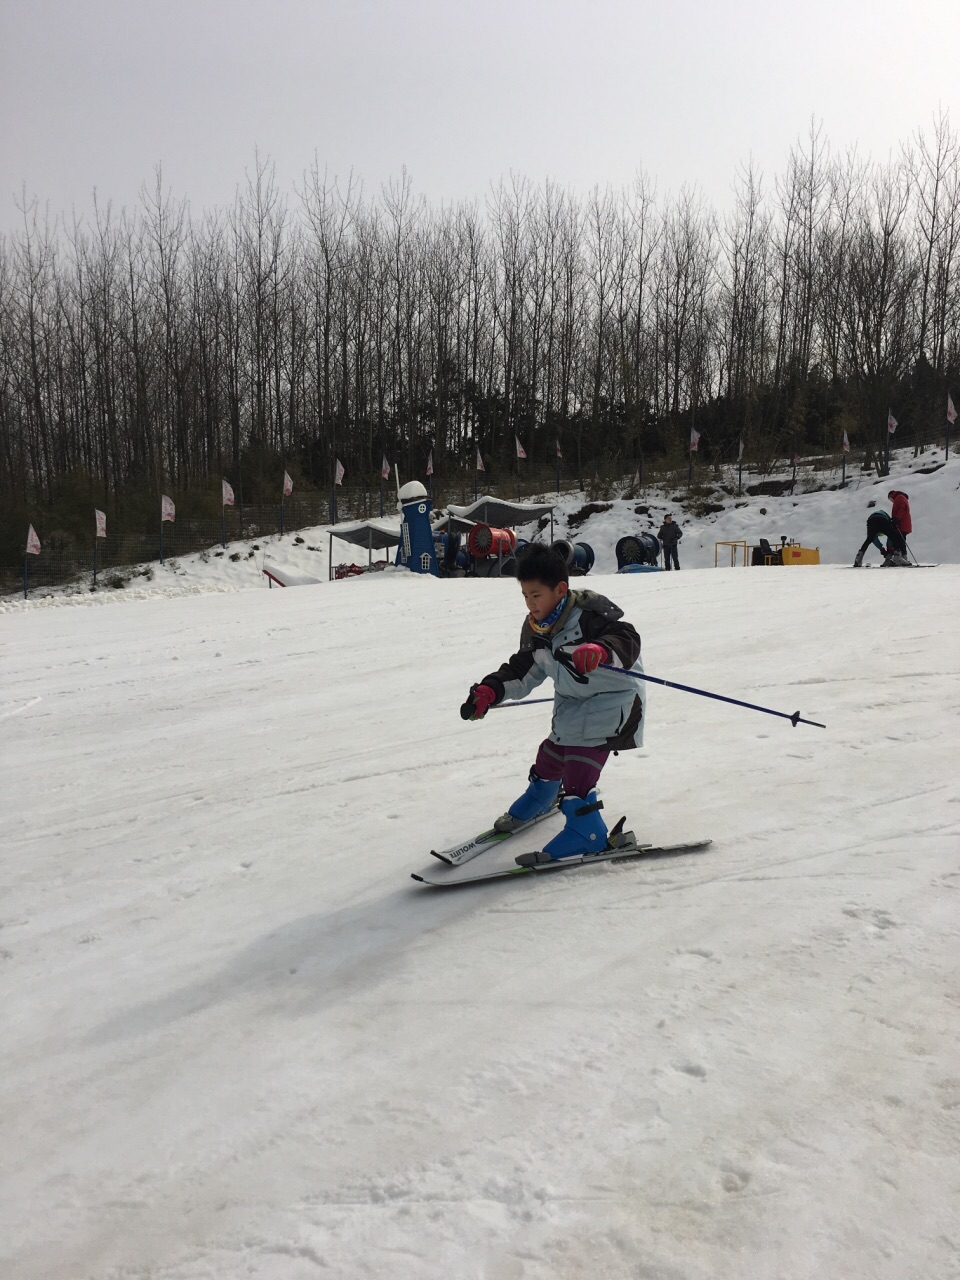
(794, 719)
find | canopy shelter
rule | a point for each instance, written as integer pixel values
(502, 514)
(369, 533)
(453, 524)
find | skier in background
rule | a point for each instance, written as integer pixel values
(567, 635)
(669, 535)
(900, 512)
(879, 524)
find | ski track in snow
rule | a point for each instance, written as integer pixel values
(239, 1042)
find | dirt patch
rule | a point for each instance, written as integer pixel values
(591, 509)
(770, 488)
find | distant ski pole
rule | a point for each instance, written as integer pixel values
(794, 719)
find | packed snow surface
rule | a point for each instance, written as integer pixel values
(238, 1041)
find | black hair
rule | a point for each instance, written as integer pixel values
(539, 563)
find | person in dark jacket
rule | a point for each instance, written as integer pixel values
(880, 525)
(573, 637)
(669, 535)
(900, 512)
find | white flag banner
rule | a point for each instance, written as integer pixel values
(846, 443)
(636, 478)
(338, 478)
(694, 440)
(287, 485)
(559, 454)
(740, 454)
(480, 466)
(33, 542)
(167, 510)
(892, 423)
(101, 519)
(228, 498)
(430, 464)
(951, 411)
(521, 452)
(385, 469)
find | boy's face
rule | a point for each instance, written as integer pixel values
(541, 600)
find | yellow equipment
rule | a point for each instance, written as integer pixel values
(788, 552)
(793, 554)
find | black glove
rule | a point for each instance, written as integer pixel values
(481, 699)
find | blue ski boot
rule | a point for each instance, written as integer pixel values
(585, 830)
(539, 797)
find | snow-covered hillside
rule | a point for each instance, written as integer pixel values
(834, 521)
(239, 1041)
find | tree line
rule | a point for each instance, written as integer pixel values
(149, 348)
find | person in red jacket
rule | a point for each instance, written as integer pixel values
(901, 511)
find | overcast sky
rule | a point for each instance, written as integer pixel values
(97, 93)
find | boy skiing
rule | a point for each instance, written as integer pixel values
(568, 635)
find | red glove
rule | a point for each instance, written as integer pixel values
(587, 657)
(481, 699)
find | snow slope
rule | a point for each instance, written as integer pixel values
(834, 521)
(238, 1040)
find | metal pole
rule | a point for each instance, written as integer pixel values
(795, 719)
(526, 702)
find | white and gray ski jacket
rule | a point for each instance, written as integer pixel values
(604, 709)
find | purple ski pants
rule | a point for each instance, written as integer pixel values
(577, 769)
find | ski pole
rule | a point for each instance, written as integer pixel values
(794, 719)
(526, 702)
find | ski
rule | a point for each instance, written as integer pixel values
(628, 851)
(460, 853)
